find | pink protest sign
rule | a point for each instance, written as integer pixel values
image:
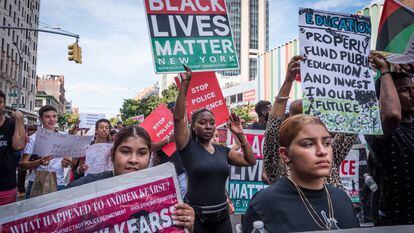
(160, 125)
(204, 92)
(140, 207)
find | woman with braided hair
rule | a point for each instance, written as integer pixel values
(207, 164)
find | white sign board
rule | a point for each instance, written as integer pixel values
(88, 120)
(337, 81)
(60, 145)
(98, 158)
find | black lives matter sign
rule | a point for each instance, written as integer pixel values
(192, 32)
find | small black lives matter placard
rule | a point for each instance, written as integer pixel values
(337, 81)
(192, 32)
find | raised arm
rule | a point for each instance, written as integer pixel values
(390, 107)
(237, 158)
(180, 112)
(19, 134)
(279, 106)
(274, 168)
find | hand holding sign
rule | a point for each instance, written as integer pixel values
(379, 62)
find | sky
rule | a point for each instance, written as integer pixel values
(116, 50)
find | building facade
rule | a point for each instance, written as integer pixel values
(53, 85)
(42, 99)
(249, 21)
(18, 54)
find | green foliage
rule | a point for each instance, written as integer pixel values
(68, 120)
(243, 112)
(113, 121)
(130, 121)
(170, 94)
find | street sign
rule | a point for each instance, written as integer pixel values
(12, 94)
(14, 105)
(22, 105)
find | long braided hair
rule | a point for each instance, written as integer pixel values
(194, 117)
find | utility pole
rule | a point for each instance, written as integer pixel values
(78, 60)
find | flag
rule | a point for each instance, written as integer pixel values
(396, 28)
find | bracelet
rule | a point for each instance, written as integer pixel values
(386, 72)
(282, 97)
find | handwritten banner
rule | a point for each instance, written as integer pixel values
(60, 145)
(244, 182)
(141, 201)
(160, 126)
(337, 82)
(190, 32)
(98, 158)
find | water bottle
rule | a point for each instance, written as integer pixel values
(370, 182)
(258, 227)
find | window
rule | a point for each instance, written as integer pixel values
(233, 99)
(38, 103)
(240, 97)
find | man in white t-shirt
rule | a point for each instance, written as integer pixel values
(48, 117)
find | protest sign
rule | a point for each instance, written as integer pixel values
(139, 118)
(98, 158)
(190, 32)
(337, 82)
(244, 182)
(160, 126)
(351, 172)
(60, 145)
(140, 201)
(204, 92)
(88, 120)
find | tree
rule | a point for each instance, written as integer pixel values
(170, 94)
(243, 112)
(129, 108)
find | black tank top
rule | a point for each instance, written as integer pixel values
(207, 173)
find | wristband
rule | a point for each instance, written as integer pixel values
(384, 73)
(282, 97)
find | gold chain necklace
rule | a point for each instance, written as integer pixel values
(330, 223)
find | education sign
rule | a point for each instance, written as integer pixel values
(337, 81)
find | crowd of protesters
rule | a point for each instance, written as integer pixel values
(301, 159)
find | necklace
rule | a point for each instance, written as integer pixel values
(330, 222)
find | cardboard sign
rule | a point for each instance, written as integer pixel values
(160, 125)
(337, 81)
(244, 182)
(60, 145)
(204, 92)
(88, 120)
(98, 158)
(140, 201)
(196, 33)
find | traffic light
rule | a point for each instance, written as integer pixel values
(75, 53)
